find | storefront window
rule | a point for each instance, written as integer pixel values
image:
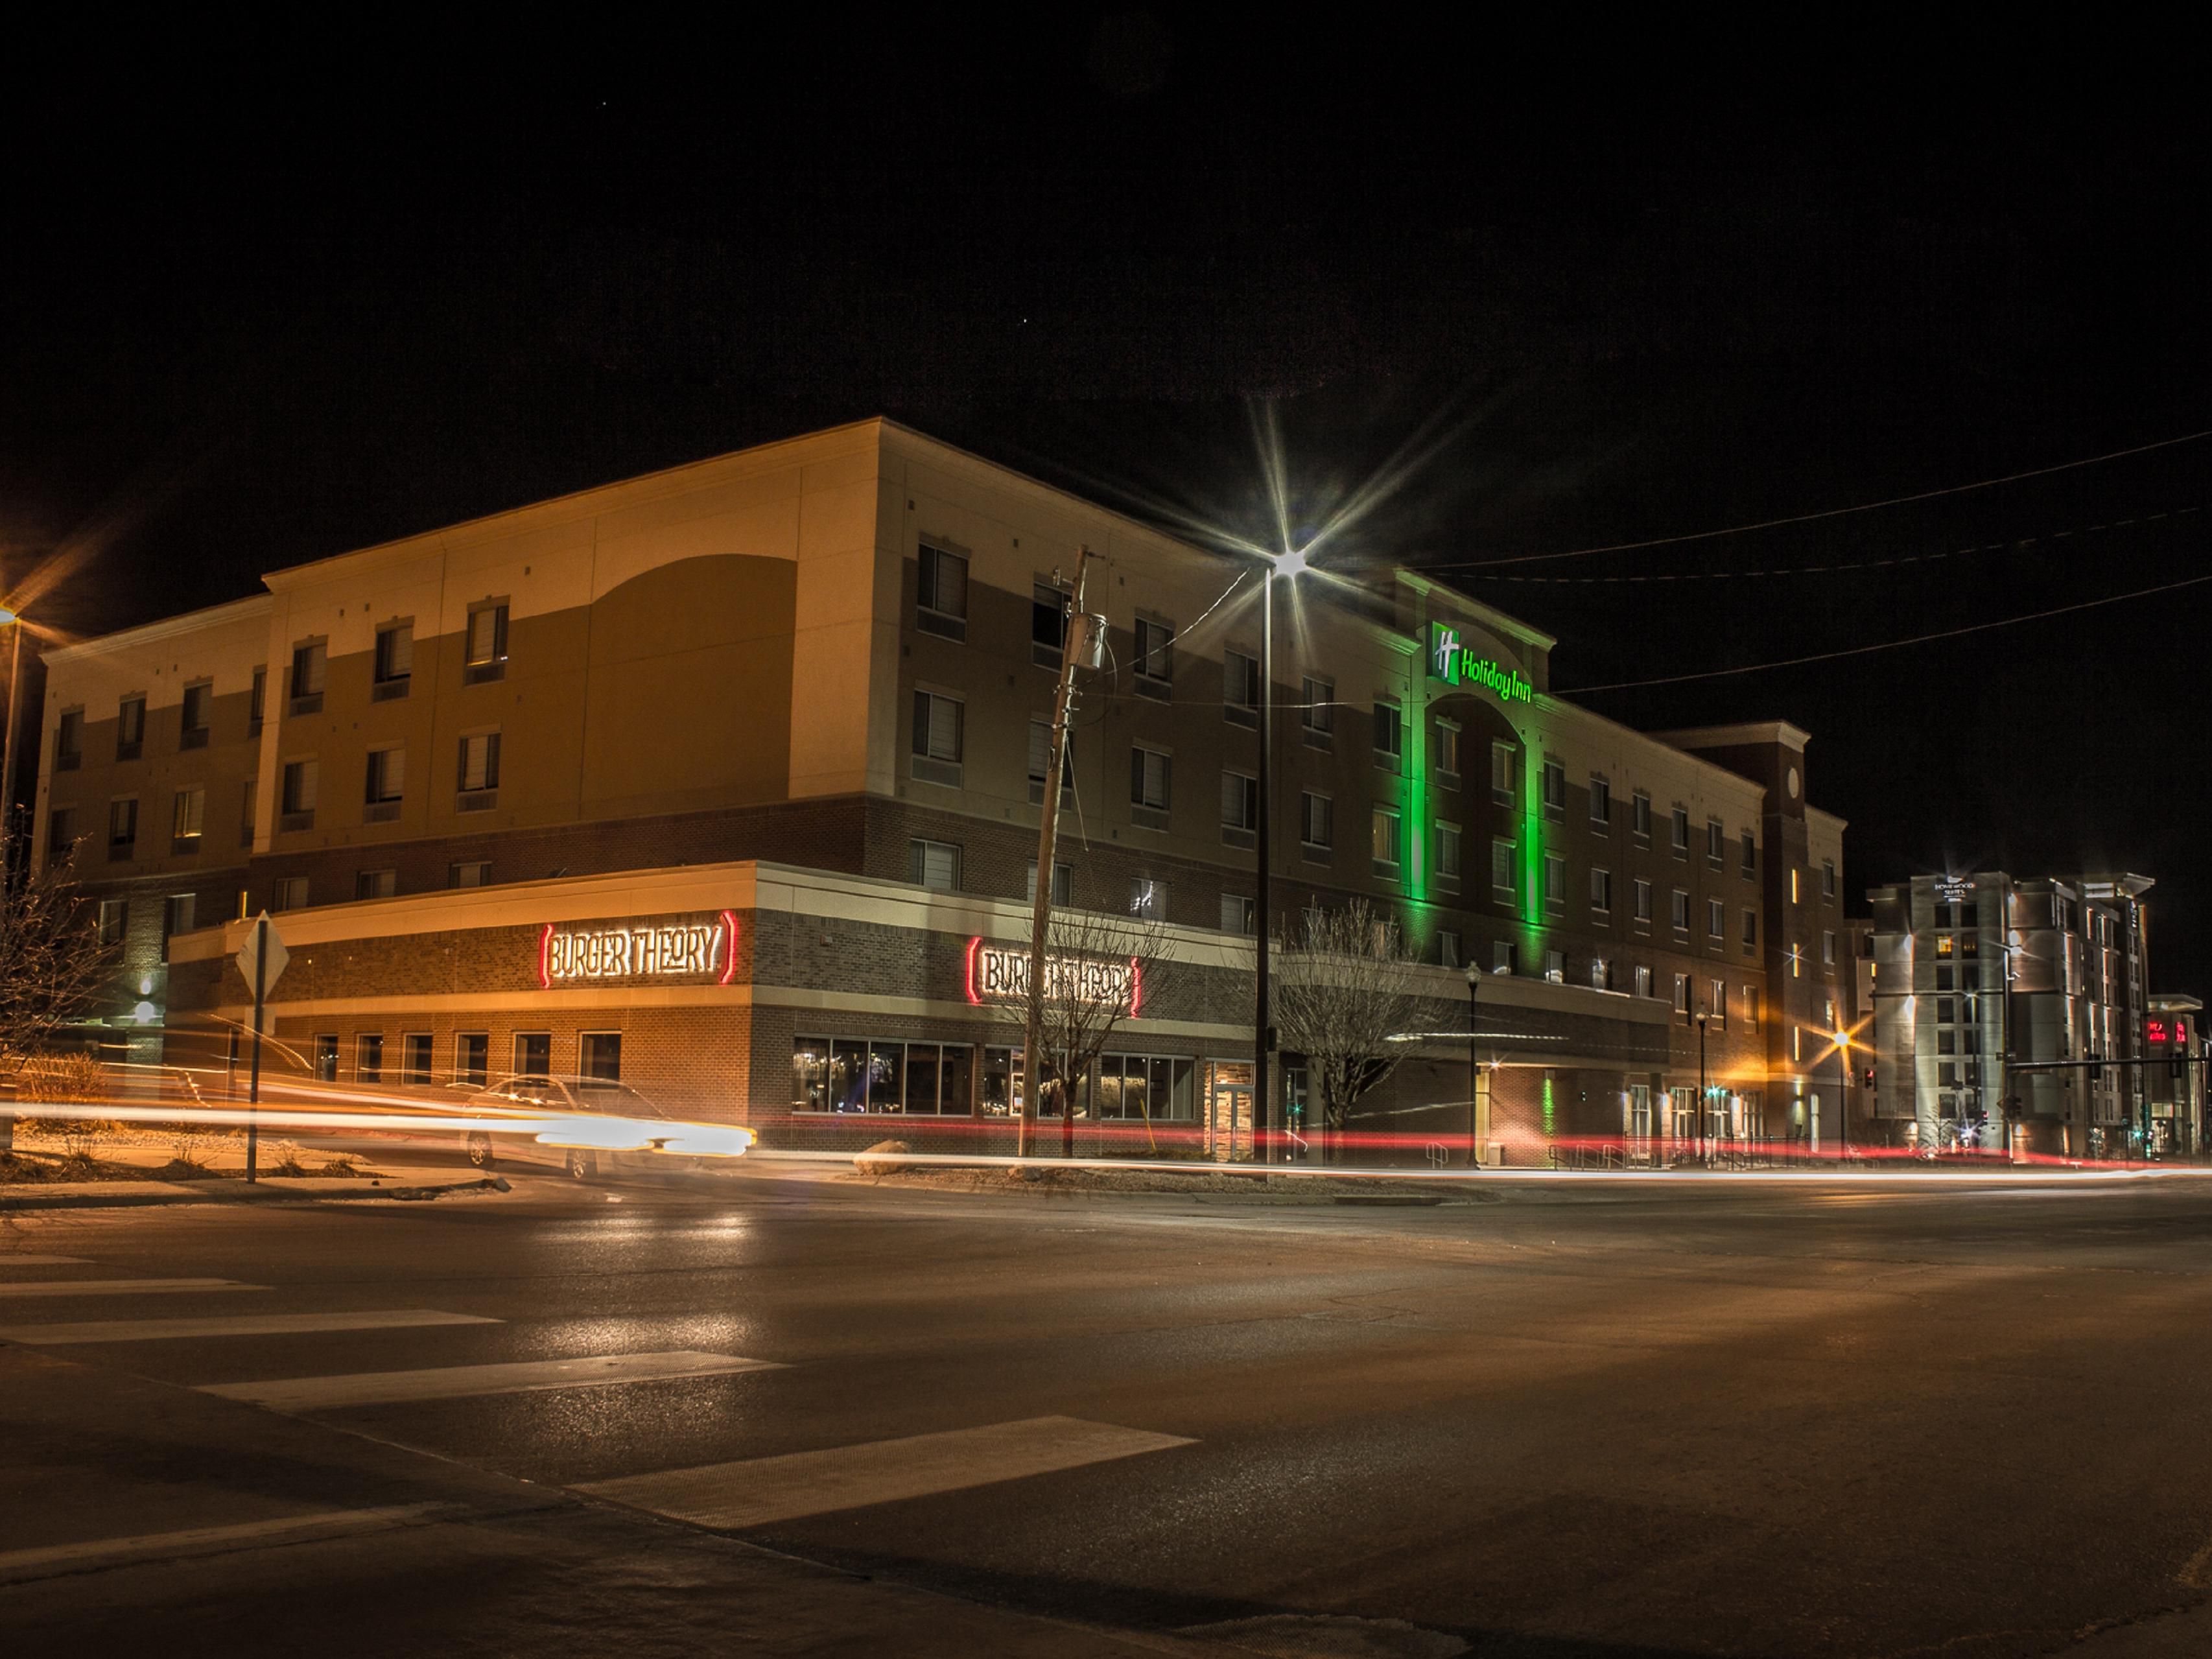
(326, 1057)
(849, 1075)
(533, 1053)
(999, 1098)
(1157, 1086)
(854, 1074)
(600, 1056)
(368, 1057)
(810, 1075)
(415, 1046)
(472, 1057)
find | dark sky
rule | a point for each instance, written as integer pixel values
(264, 299)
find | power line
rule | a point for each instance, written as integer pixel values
(1887, 645)
(1832, 512)
(1848, 566)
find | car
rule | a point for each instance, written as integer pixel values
(583, 1125)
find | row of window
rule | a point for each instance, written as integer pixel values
(941, 1080)
(484, 658)
(412, 1059)
(180, 911)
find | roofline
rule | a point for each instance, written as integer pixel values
(1748, 732)
(1554, 703)
(1426, 586)
(213, 616)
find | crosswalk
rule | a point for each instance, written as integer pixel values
(736, 1495)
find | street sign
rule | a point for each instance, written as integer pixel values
(278, 955)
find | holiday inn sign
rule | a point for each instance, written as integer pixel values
(1450, 661)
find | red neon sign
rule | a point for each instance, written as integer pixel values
(657, 950)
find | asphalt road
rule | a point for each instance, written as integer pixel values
(1876, 1418)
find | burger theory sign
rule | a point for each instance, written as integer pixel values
(696, 949)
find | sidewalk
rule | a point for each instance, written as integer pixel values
(25, 1197)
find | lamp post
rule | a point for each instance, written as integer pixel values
(1286, 565)
(1474, 1070)
(1705, 1100)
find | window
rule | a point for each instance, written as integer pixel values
(310, 662)
(248, 799)
(1384, 849)
(69, 741)
(1750, 929)
(1448, 752)
(368, 1057)
(1715, 919)
(1715, 842)
(939, 738)
(1501, 773)
(122, 828)
(129, 728)
(473, 873)
(1601, 974)
(1681, 830)
(1063, 883)
(326, 1056)
(533, 1054)
(375, 884)
(1240, 688)
(1601, 891)
(395, 661)
(197, 716)
(1600, 803)
(1155, 668)
(1389, 734)
(1448, 951)
(302, 779)
(187, 818)
(61, 834)
(1240, 804)
(414, 1057)
(486, 658)
(1828, 950)
(1148, 898)
(1644, 901)
(1718, 1003)
(288, 893)
(179, 914)
(1505, 957)
(1041, 760)
(1555, 789)
(1555, 883)
(1316, 822)
(1318, 717)
(256, 705)
(478, 773)
(1643, 986)
(1639, 818)
(1828, 880)
(1681, 911)
(934, 865)
(1501, 870)
(387, 781)
(1048, 625)
(1238, 913)
(1682, 995)
(1448, 853)
(114, 919)
(940, 594)
(1751, 1007)
(472, 1057)
(1750, 853)
(1148, 779)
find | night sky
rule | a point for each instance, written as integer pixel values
(267, 299)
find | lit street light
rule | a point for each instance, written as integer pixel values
(1287, 565)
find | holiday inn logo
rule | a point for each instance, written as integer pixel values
(1450, 661)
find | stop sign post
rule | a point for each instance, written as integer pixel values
(260, 959)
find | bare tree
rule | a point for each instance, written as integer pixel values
(1101, 968)
(1346, 984)
(52, 965)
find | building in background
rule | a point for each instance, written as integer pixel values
(2173, 1076)
(724, 781)
(2010, 1007)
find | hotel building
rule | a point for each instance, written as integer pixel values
(724, 779)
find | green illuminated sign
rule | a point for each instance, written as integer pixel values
(1450, 661)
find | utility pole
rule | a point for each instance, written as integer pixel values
(1704, 1098)
(1075, 627)
(1263, 1031)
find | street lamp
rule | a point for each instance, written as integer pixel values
(1473, 1068)
(1705, 1100)
(1840, 1043)
(1286, 565)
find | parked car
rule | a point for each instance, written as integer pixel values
(586, 1125)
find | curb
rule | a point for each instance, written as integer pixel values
(239, 1192)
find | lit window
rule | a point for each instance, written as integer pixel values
(1148, 898)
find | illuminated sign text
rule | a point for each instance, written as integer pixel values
(1450, 661)
(1000, 973)
(677, 950)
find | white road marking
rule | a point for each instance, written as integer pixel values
(762, 1490)
(149, 1330)
(17, 1565)
(118, 1286)
(41, 1261)
(310, 1394)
